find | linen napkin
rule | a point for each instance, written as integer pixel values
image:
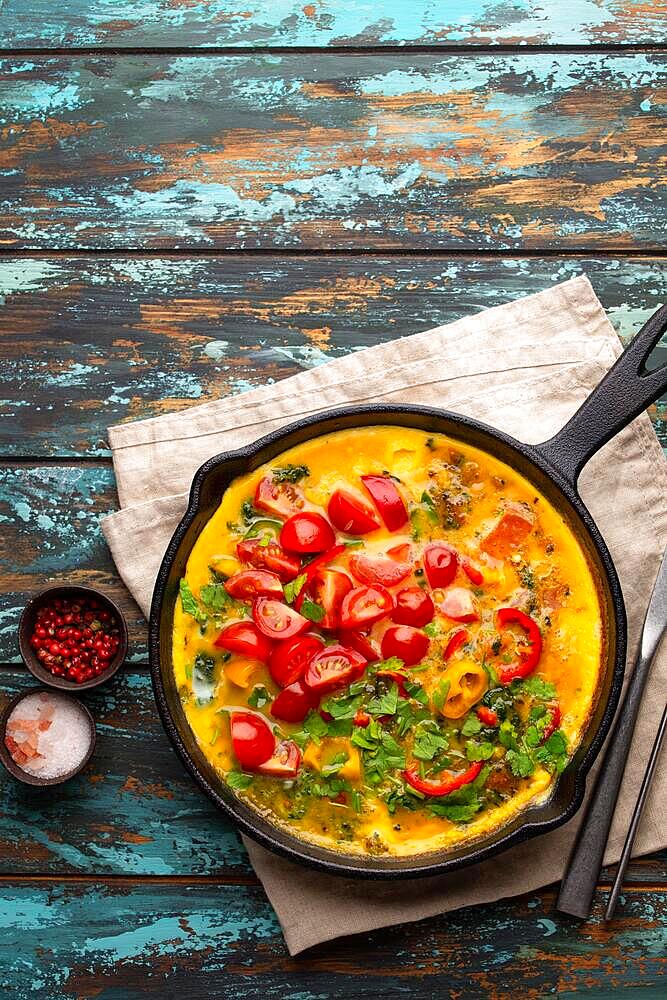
(524, 367)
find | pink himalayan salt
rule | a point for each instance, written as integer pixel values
(48, 734)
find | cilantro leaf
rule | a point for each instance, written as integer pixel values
(428, 743)
(292, 589)
(479, 751)
(215, 597)
(440, 694)
(471, 726)
(521, 764)
(259, 696)
(289, 473)
(189, 603)
(312, 611)
(236, 779)
(313, 728)
(334, 765)
(385, 704)
(539, 688)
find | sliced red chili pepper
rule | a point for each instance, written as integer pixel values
(441, 786)
(471, 571)
(387, 499)
(528, 656)
(361, 719)
(487, 716)
(553, 723)
(458, 639)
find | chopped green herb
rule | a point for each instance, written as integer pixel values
(471, 726)
(259, 696)
(479, 751)
(189, 603)
(538, 688)
(312, 611)
(292, 589)
(521, 764)
(290, 473)
(428, 743)
(440, 694)
(235, 779)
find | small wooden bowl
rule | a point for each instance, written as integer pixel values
(27, 624)
(25, 776)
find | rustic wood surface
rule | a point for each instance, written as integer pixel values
(335, 23)
(321, 151)
(178, 224)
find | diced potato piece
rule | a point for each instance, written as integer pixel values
(240, 670)
(226, 564)
(318, 756)
(512, 528)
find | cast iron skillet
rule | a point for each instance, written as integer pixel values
(553, 467)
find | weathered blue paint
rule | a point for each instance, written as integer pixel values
(475, 153)
(159, 939)
(49, 521)
(192, 329)
(327, 22)
(133, 811)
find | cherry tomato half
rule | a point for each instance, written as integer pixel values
(271, 557)
(350, 513)
(245, 638)
(282, 499)
(276, 620)
(365, 605)
(250, 583)
(387, 499)
(440, 563)
(361, 643)
(379, 569)
(284, 763)
(458, 604)
(328, 588)
(405, 642)
(294, 702)
(474, 575)
(289, 659)
(253, 741)
(307, 532)
(413, 607)
(333, 668)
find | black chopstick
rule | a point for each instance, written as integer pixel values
(581, 876)
(636, 817)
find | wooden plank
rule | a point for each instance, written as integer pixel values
(332, 23)
(471, 152)
(92, 341)
(132, 939)
(50, 531)
(135, 811)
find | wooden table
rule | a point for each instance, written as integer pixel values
(198, 197)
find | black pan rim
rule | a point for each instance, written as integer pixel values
(280, 841)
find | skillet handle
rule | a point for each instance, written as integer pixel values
(625, 391)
